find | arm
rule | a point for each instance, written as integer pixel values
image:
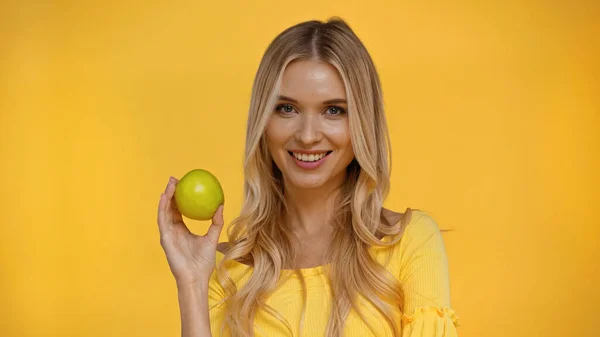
(193, 306)
(191, 259)
(425, 279)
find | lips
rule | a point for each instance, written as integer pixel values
(309, 157)
(309, 161)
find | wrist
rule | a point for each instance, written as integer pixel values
(192, 286)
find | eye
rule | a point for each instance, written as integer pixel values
(335, 110)
(285, 108)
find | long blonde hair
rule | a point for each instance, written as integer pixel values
(260, 237)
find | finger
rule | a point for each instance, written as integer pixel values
(174, 213)
(162, 206)
(163, 210)
(214, 231)
(161, 218)
(169, 192)
(171, 188)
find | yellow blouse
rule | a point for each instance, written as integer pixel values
(420, 263)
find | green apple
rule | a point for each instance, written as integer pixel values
(198, 194)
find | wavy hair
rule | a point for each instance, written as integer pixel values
(260, 238)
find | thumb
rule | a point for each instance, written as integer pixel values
(214, 231)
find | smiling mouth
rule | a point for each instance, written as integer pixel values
(309, 158)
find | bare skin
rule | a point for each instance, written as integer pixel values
(313, 248)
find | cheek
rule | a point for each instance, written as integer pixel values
(340, 137)
(276, 136)
(339, 134)
(271, 134)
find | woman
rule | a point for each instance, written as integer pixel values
(313, 253)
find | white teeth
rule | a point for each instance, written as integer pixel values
(309, 157)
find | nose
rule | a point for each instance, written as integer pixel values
(309, 129)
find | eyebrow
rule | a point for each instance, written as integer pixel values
(329, 101)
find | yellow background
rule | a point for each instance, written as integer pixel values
(493, 110)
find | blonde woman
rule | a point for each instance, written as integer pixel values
(313, 253)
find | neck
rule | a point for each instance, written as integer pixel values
(309, 210)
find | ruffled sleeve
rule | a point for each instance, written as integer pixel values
(430, 322)
(425, 280)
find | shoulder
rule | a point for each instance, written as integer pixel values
(422, 242)
(419, 231)
(414, 221)
(422, 223)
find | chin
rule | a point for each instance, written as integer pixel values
(307, 182)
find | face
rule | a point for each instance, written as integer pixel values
(308, 134)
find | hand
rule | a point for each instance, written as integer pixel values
(191, 257)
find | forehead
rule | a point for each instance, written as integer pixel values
(310, 80)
